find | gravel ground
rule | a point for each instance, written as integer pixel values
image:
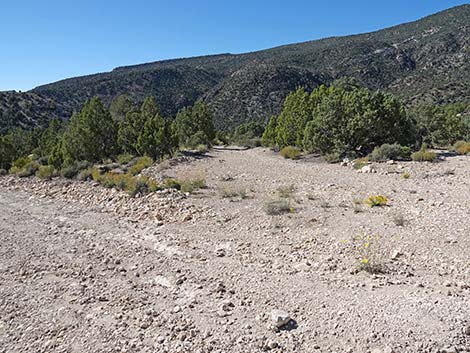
(215, 272)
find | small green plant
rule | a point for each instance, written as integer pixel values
(376, 201)
(45, 172)
(278, 207)
(405, 175)
(462, 147)
(3, 172)
(290, 152)
(423, 155)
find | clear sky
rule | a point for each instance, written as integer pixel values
(47, 40)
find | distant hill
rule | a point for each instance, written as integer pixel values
(423, 61)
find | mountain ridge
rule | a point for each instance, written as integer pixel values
(423, 61)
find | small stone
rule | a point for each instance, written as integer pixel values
(176, 309)
(161, 339)
(467, 330)
(395, 254)
(227, 306)
(280, 318)
(220, 252)
(272, 344)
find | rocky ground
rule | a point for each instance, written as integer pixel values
(88, 269)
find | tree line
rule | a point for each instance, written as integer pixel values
(97, 133)
(340, 120)
(345, 119)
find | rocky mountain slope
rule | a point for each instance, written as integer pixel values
(422, 61)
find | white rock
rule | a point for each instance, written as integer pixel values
(280, 317)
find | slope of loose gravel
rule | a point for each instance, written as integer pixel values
(76, 279)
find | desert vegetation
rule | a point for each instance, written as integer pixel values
(346, 120)
(124, 137)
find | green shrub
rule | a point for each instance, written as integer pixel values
(73, 169)
(333, 157)
(405, 175)
(139, 165)
(21, 162)
(69, 172)
(24, 167)
(45, 172)
(201, 148)
(137, 186)
(172, 184)
(108, 180)
(86, 174)
(290, 152)
(125, 158)
(3, 172)
(462, 147)
(29, 169)
(192, 184)
(376, 200)
(387, 152)
(154, 186)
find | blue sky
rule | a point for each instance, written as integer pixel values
(45, 41)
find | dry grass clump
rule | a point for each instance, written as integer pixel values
(367, 250)
(278, 207)
(360, 163)
(462, 147)
(127, 182)
(398, 219)
(286, 192)
(234, 192)
(423, 155)
(192, 181)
